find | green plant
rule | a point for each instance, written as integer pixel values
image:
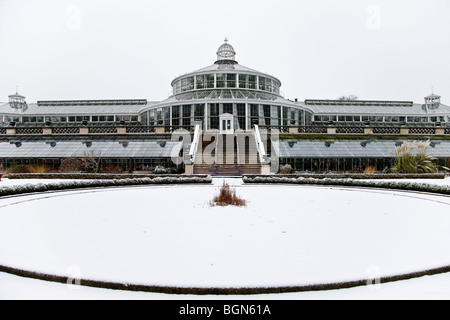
(414, 158)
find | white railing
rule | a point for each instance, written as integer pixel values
(259, 145)
(216, 155)
(194, 145)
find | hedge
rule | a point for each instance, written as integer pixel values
(94, 176)
(397, 185)
(79, 184)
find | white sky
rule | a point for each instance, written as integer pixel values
(130, 49)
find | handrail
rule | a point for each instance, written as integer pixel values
(194, 145)
(216, 156)
(237, 150)
(259, 145)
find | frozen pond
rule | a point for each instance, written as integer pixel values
(170, 236)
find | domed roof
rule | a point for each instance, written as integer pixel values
(226, 52)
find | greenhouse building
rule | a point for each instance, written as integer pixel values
(233, 112)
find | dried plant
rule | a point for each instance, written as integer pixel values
(70, 165)
(414, 158)
(38, 168)
(227, 197)
(370, 170)
(91, 162)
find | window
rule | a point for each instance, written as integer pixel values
(214, 110)
(231, 80)
(228, 108)
(262, 83)
(166, 113)
(276, 87)
(186, 121)
(210, 80)
(241, 109)
(254, 110)
(251, 82)
(243, 81)
(187, 84)
(317, 118)
(177, 87)
(186, 111)
(175, 111)
(220, 83)
(268, 85)
(199, 112)
(201, 83)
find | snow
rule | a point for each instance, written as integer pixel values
(169, 235)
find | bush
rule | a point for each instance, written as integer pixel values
(70, 165)
(413, 158)
(370, 170)
(160, 170)
(112, 169)
(227, 197)
(19, 169)
(286, 169)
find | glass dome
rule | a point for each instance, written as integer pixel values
(226, 52)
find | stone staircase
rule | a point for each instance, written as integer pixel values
(227, 155)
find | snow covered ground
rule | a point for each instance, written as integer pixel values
(287, 235)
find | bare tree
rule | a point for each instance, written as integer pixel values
(91, 162)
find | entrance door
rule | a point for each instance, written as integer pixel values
(226, 124)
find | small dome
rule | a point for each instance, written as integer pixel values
(226, 53)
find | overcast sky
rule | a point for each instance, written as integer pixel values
(133, 49)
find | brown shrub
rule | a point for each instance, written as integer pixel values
(370, 170)
(70, 165)
(286, 169)
(227, 197)
(112, 169)
(21, 168)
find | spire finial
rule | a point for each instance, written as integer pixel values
(226, 39)
(17, 89)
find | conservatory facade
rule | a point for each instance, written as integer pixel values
(224, 99)
(226, 88)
